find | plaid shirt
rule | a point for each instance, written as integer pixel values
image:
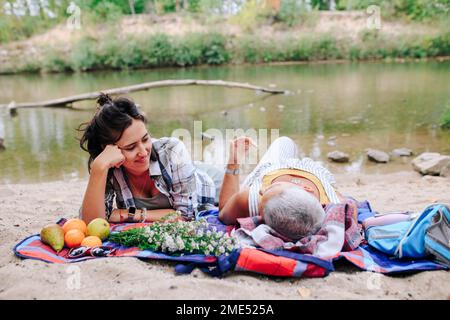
(188, 189)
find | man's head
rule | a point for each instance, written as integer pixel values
(291, 211)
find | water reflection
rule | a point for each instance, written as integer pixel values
(347, 107)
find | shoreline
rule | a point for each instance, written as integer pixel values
(438, 59)
(27, 208)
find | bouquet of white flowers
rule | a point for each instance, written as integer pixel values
(177, 237)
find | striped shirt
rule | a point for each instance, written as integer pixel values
(188, 189)
(283, 155)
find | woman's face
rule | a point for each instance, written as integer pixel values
(136, 147)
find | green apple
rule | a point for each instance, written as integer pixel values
(98, 227)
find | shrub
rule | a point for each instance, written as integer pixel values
(291, 12)
(84, 55)
(159, 51)
(445, 122)
(54, 61)
(214, 49)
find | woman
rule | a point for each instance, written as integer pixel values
(149, 178)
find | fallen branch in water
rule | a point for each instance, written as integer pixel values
(67, 101)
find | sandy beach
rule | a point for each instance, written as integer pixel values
(26, 208)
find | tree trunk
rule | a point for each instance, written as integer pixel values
(131, 4)
(68, 101)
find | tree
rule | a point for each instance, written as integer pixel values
(131, 4)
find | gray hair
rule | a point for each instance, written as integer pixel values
(294, 213)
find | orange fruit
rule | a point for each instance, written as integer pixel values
(73, 238)
(91, 241)
(72, 224)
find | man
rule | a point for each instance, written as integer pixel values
(287, 192)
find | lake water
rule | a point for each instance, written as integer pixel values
(347, 107)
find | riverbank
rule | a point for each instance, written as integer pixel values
(148, 41)
(28, 207)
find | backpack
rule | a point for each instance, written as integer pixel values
(437, 238)
(406, 239)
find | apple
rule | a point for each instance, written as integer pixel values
(98, 227)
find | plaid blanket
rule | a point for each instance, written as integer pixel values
(284, 263)
(339, 232)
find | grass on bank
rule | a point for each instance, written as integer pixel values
(161, 50)
(445, 122)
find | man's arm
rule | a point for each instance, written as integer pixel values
(233, 202)
(236, 207)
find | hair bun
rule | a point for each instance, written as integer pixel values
(103, 99)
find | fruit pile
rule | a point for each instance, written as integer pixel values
(75, 233)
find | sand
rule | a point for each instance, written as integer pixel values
(25, 209)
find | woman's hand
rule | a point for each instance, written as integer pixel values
(110, 157)
(237, 146)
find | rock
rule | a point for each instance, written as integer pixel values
(432, 163)
(402, 152)
(338, 156)
(378, 156)
(445, 171)
(304, 292)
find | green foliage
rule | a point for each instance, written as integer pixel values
(194, 5)
(103, 11)
(54, 62)
(214, 49)
(161, 50)
(252, 13)
(158, 50)
(291, 12)
(84, 55)
(14, 28)
(445, 122)
(165, 6)
(418, 10)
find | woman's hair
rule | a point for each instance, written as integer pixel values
(294, 213)
(112, 117)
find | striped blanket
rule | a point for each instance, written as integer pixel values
(282, 263)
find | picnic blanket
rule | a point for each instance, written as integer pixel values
(270, 262)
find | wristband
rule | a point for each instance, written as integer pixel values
(233, 172)
(144, 214)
